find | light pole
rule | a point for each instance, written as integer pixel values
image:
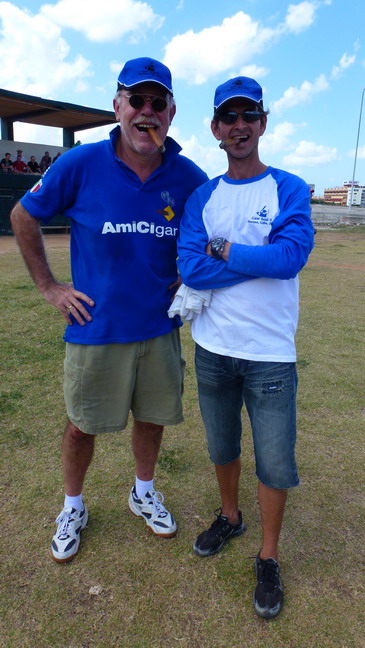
(357, 144)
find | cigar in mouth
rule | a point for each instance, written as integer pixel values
(156, 139)
(231, 141)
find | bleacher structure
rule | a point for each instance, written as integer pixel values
(71, 118)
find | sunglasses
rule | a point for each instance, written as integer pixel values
(231, 116)
(137, 101)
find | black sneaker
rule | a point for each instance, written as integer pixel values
(268, 597)
(213, 540)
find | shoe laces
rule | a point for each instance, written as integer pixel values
(219, 524)
(157, 499)
(64, 520)
(269, 573)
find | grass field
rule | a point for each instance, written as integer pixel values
(155, 593)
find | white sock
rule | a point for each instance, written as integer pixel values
(143, 486)
(75, 502)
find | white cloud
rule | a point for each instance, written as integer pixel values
(360, 153)
(93, 134)
(33, 54)
(300, 16)
(104, 21)
(115, 66)
(297, 172)
(253, 71)
(278, 140)
(53, 136)
(81, 86)
(345, 62)
(196, 56)
(210, 158)
(310, 154)
(294, 96)
(37, 134)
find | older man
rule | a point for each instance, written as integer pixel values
(122, 350)
(246, 235)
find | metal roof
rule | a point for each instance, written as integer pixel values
(44, 112)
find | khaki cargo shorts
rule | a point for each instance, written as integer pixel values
(103, 383)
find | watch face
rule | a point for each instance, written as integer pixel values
(217, 247)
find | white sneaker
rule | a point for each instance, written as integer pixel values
(66, 540)
(157, 517)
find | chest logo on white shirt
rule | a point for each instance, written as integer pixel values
(264, 213)
(262, 217)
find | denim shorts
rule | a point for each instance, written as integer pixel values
(268, 391)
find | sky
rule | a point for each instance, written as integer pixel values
(308, 56)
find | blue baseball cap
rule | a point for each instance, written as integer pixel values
(144, 70)
(236, 88)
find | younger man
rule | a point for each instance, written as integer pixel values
(246, 235)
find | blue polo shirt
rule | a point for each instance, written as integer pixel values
(123, 236)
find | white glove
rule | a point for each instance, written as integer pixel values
(189, 302)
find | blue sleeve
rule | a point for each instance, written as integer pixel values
(56, 191)
(291, 238)
(199, 270)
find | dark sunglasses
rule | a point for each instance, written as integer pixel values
(137, 101)
(231, 116)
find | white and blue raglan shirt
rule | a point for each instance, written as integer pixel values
(253, 312)
(123, 236)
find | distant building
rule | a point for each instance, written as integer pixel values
(342, 195)
(336, 195)
(358, 196)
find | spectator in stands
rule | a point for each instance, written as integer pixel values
(6, 164)
(19, 152)
(45, 162)
(20, 166)
(33, 165)
(56, 157)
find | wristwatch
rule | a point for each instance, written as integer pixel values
(217, 248)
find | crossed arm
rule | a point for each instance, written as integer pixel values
(289, 244)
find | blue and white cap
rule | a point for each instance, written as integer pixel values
(144, 70)
(239, 87)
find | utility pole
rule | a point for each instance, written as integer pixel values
(357, 145)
